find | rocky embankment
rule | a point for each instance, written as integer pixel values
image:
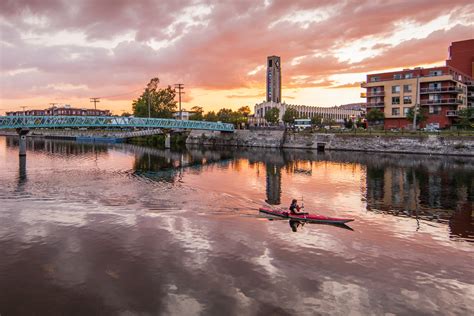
(426, 144)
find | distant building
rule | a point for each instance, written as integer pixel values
(353, 106)
(439, 91)
(185, 115)
(304, 111)
(273, 79)
(461, 56)
(63, 110)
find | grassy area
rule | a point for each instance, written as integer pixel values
(159, 140)
(370, 132)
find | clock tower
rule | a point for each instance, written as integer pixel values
(273, 79)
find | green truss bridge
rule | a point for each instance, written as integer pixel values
(27, 122)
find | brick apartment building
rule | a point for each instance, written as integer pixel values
(64, 110)
(439, 91)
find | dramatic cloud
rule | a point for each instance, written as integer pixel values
(72, 50)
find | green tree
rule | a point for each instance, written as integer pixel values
(272, 115)
(126, 114)
(162, 101)
(330, 122)
(198, 113)
(420, 116)
(359, 123)
(225, 115)
(466, 117)
(244, 110)
(210, 116)
(317, 120)
(375, 115)
(290, 115)
(348, 123)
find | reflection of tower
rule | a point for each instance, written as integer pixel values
(273, 79)
(273, 184)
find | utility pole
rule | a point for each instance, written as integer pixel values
(180, 87)
(95, 101)
(415, 111)
(23, 107)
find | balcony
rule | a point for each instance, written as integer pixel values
(440, 102)
(375, 105)
(441, 90)
(376, 94)
(452, 113)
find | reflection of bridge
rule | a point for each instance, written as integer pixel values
(23, 123)
(108, 121)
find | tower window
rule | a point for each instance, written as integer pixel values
(270, 63)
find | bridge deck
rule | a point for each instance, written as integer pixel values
(8, 122)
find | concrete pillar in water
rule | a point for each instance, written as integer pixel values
(22, 143)
(167, 140)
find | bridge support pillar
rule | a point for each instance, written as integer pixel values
(167, 140)
(22, 132)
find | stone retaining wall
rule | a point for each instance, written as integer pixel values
(244, 138)
(427, 144)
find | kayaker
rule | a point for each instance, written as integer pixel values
(294, 207)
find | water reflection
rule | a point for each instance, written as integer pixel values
(295, 225)
(440, 189)
(425, 188)
(121, 229)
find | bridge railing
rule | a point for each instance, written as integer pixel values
(8, 122)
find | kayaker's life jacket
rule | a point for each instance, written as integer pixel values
(293, 207)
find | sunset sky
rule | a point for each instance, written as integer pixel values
(65, 51)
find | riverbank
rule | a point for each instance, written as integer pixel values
(413, 144)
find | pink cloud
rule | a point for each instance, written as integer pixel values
(216, 49)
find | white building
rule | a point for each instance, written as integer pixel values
(184, 115)
(304, 111)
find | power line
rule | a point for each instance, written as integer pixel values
(118, 95)
(95, 101)
(180, 87)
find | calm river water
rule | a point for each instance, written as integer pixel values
(127, 230)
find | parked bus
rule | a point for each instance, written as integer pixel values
(301, 124)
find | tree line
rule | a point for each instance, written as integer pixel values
(160, 102)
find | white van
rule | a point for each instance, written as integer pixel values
(301, 124)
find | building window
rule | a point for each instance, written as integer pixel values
(396, 111)
(434, 86)
(409, 75)
(407, 99)
(373, 79)
(436, 72)
(407, 88)
(395, 100)
(395, 89)
(434, 97)
(435, 109)
(405, 111)
(397, 76)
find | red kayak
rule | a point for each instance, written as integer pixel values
(306, 217)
